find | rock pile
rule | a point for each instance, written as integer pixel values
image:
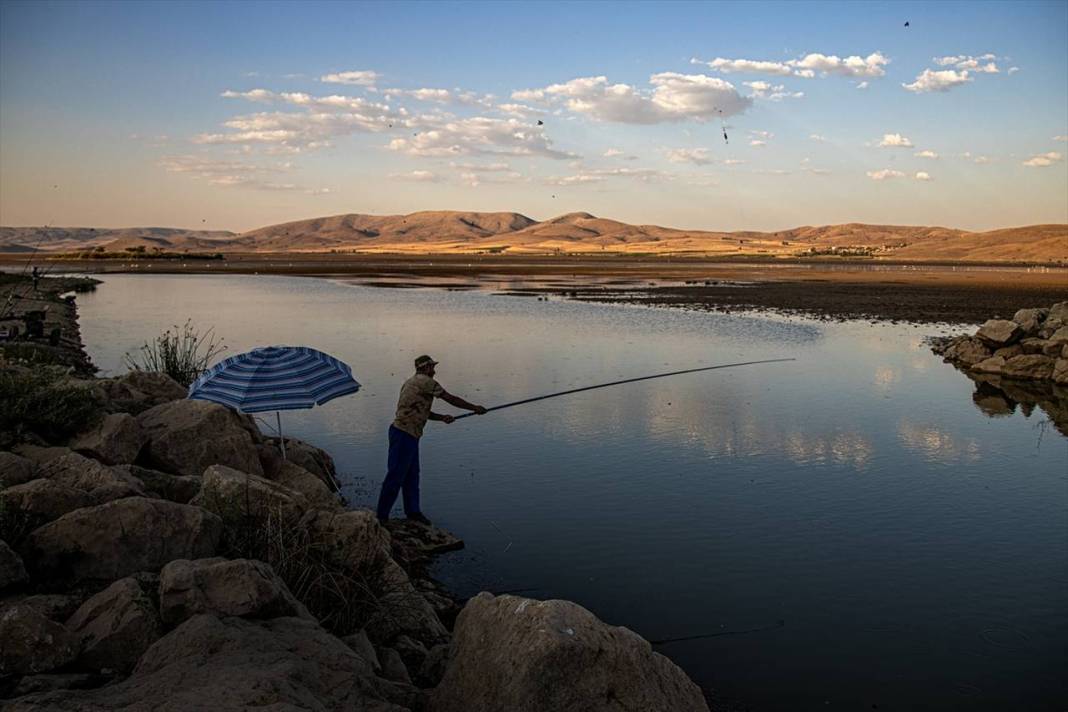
(121, 586)
(1032, 346)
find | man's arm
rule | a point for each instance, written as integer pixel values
(460, 402)
(444, 418)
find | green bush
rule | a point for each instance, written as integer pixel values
(183, 354)
(43, 402)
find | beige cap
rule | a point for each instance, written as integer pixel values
(424, 361)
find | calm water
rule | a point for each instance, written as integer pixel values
(914, 550)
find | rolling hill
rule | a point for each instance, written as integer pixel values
(433, 232)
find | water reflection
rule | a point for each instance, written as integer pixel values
(936, 444)
(999, 397)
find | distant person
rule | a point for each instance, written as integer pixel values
(36, 275)
(413, 410)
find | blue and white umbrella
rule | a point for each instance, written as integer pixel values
(275, 378)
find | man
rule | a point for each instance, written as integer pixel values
(413, 410)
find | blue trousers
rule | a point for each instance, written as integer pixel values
(402, 474)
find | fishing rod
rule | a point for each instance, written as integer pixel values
(627, 380)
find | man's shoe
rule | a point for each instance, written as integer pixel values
(419, 517)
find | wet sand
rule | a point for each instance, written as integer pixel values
(930, 292)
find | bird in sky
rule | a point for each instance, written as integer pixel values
(906, 23)
(540, 122)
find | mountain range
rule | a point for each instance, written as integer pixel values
(433, 232)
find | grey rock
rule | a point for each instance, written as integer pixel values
(1033, 345)
(412, 652)
(12, 570)
(999, 332)
(116, 627)
(115, 440)
(176, 488)
(1060, 336)
(39, 455)
(56, 681)
(1030, 319)
(1007, 352)
(31, 644)
(56, 607)
(100, 482)
(229, 492)
(187, 436)
(241, 587)
(45, 499)
(1034, 367)
(517, 654)
(116, 539)
(138, 391)
(314, 489)
(993, 365)
(313, 459)
(362, 646)
(1059, 313)
(235, 664)
(434, 665)
(1060, 370)
(967, 350)
(393, 667)
(15, 470)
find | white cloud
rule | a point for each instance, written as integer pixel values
(982, 159)
(1060, 138)
(476, 135)
(482, 167)
(983, 64)
(930, 80)
(818, 171)
(862, 85)
(807, 66)
(612, 153)
(762, 134)
(923, 175)
(520, 110)
(363, 78)
(771, 92)
(417, 176)
(1043, 159)
(733, 162)
(697, 156)
(599, 176)
(885, 174)
(895, 141)
(926, 154)
(757, 143)
(674, 97)
(1013, 70)
(817, 138)
(234, 173)
(442, 96)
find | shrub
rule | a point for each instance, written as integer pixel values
(183, 354)
(43, 402)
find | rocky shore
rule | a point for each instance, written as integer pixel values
(159, 553)
(1023, 360)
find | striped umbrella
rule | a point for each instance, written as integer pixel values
(275, 378)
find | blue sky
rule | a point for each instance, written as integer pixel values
(114, 114)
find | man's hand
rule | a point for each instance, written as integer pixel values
(479, 410)
(447, 419)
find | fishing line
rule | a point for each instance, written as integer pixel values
(627, 380)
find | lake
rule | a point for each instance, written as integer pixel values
(845, 531)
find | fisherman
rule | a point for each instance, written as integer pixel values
(36, 276)
(413, 410)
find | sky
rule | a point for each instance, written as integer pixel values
(232, 116)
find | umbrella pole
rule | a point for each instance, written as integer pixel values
(281, 438)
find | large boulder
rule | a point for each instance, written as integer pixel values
(45, 500)
(521, 655)
(1058, 313)
(12, 571)
(1033, 345)
(993, 365)
(314, 460)
(138, 391)
(116, 539)
(1032, 367)
(967, 350)
(176, 488)
(1030, 319)
(234, 664)
(1060, 336)
(100, 482)
(116, 626)
(240, 587)
(15, 470)
(187, 436)
(56, 607)
(40, 454)
(30, 643)
(229, 492)
(313, 488)
(1060, 371)
(115, 440)
(999, 332)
